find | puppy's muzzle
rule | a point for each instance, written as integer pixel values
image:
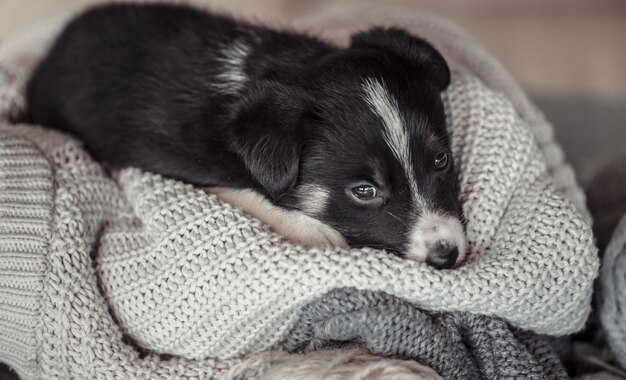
(437, 239)
(442, 256)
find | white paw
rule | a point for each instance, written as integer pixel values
(303, 229)
(292, 225)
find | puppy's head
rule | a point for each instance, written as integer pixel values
(360, 142)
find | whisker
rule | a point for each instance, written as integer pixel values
(400, 220)
(447, 136)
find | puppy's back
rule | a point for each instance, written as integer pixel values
(114, 78)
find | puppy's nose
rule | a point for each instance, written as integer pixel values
(442, 256)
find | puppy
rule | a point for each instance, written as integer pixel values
(328, 145)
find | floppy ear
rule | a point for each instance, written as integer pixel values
(265, 134)
(415, 50)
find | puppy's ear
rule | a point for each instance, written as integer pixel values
(413, 49)
(266, 136)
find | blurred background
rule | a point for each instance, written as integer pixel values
(570, 55)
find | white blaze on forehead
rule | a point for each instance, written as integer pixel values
(395, 133)
(433, 228)
(232, 76)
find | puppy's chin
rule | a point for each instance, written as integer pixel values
(293, 225)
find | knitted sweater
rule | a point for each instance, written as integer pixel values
(185, 274)
(458, 345)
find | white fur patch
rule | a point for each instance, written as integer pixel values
(232, 61)
(432, 228)
(313, 198)
(293, 225)
(395, 134)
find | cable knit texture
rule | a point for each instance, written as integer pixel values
(186, 274)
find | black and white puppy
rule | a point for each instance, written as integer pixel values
(327, 144)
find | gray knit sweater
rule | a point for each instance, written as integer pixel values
(458, 345)
(85, 259)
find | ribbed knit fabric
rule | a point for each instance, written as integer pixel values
(26, 203)
(188, 275)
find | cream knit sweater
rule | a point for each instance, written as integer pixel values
(185, 274)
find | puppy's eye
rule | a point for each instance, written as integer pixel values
(441, 161)
(364, 192)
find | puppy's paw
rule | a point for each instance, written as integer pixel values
(293, 225)
(300, 228)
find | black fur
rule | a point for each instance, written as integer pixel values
(137, 83)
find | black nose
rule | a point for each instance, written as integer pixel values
(442, 256)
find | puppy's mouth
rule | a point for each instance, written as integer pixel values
(437, 239)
